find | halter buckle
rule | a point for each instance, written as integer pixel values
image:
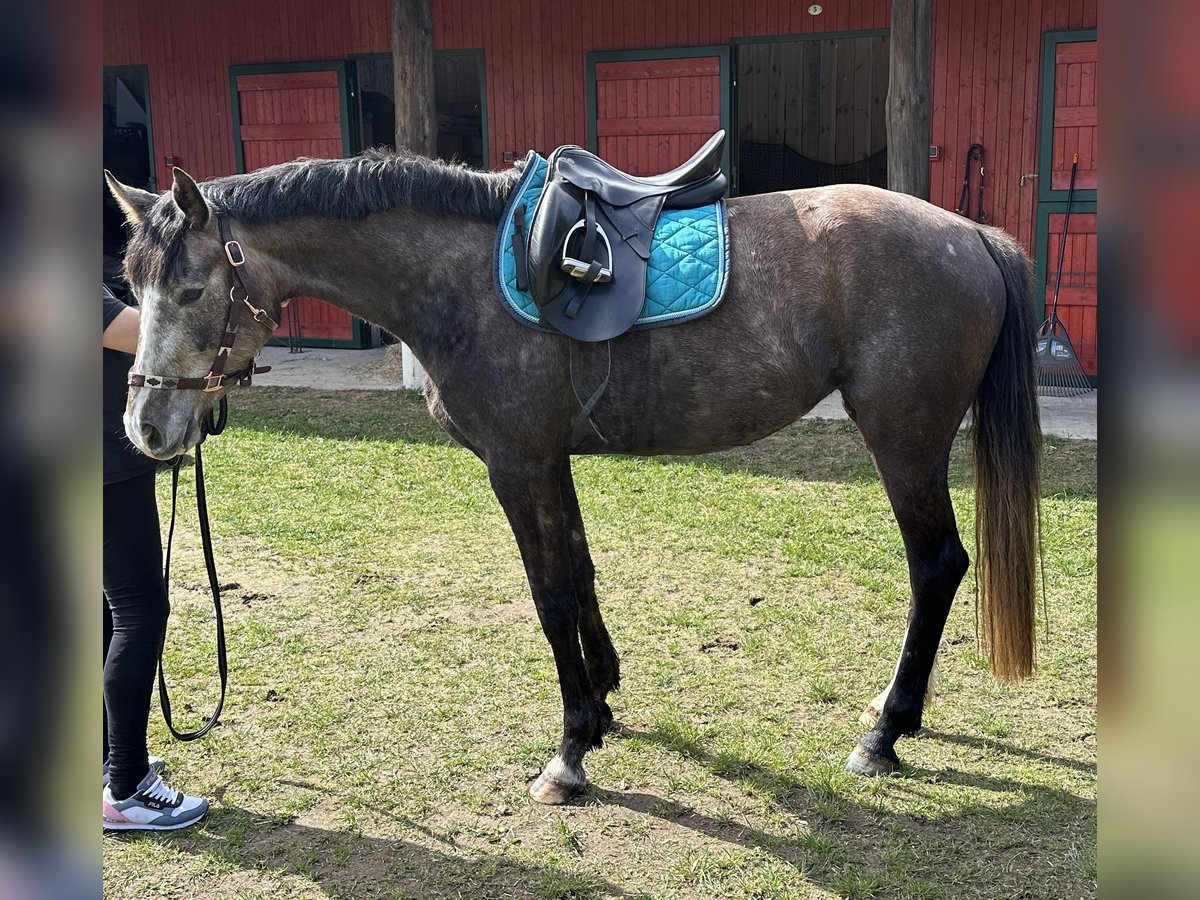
(260, 315)
(213, 383)
(234, 253)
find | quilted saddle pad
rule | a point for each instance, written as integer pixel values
(687, 273)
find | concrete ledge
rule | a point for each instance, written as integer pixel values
(381, 369)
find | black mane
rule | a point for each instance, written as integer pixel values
(376, 181)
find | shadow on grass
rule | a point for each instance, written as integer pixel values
(813, 450)
(994, 746)
(862, 850)
(346, 865)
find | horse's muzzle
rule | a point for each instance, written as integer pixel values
(164, 433)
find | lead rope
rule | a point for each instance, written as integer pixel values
(213, 425)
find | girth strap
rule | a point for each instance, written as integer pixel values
(519, 246)
(583, 421)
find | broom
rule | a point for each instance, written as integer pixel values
(1059, 371)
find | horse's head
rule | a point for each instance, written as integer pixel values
(179, 268)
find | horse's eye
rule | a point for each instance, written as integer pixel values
(190, 296)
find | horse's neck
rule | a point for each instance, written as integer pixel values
(417, 275)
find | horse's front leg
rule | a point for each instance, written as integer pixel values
(602, 662)
(532, 500)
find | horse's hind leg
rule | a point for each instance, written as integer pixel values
(870, 715)
(598, 652)
(532, 500)
(916, 483)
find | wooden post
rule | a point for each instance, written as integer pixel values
(909, 98)
(412, 59)
(416, 110)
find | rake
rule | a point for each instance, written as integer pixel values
(1059, 371)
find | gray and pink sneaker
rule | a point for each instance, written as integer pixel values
(158, 765)
(153, 807)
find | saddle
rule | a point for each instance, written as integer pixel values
(584, 259)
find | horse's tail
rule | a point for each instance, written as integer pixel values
(1007, 436)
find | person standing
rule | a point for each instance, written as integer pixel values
(135, 797)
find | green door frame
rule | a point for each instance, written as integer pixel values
(360, 330)
(722, 51)
(1051, 40)
(481, 60)
(1054, 202)
(144, 71)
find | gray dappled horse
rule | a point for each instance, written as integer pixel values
(915, 314)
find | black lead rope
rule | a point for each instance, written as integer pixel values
(215, 424)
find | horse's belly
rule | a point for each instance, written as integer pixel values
(716, 417)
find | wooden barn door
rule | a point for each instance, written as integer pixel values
(1069, 128)
(650, 110)
(281, 112)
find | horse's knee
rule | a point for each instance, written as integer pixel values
(957, 560)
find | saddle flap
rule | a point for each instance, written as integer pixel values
(556, 213)
(601, 310)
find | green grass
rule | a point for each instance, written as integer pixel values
(391, 691)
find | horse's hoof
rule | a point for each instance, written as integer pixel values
(871, 765)
(558, 783)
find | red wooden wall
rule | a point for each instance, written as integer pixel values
(987, 62)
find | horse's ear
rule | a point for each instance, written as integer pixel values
(188, 198)
(134, 202)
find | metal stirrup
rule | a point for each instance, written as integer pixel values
(587, 270)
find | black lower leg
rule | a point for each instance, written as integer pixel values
(583, 721)
(936, 567)
(601, 658)
(532, 500)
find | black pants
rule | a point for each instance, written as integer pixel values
(135, 620)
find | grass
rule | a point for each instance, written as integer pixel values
(391, 692)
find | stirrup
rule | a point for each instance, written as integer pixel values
(577, 268)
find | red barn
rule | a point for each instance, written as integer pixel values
(225, 86)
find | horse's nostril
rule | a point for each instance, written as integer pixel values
(151, 437)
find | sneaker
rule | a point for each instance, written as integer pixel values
(158, 765)
(153, 807)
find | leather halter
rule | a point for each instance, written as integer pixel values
(239, 308)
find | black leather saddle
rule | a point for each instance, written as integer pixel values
(585, 257)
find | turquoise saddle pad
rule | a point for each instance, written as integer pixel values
(689, 258)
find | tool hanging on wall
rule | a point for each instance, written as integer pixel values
(1059, 371)
(974, 155)
(295, 336)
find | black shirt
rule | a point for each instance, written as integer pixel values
(121, 459)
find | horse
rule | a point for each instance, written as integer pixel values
(914, 314)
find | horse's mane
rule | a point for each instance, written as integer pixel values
(375, 181)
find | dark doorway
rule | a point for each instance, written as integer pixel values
(811, 113)
(461, 106)
(128, 153)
